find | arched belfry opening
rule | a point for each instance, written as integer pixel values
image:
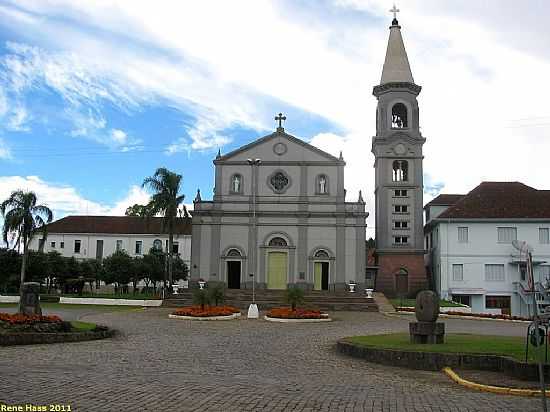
(400, 171)
(399, 118)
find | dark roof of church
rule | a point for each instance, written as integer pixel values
(444, 200)
(133, 225)
(280, 132)
(501, 200)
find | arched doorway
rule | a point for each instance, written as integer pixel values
(321, 270)
(277, 264)
(234, 269)
(402, 282)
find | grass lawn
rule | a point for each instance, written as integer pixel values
(106, 308)
(82, 326)
(411, 302)
(512, 346)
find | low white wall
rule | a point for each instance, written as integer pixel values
(9, 299)
(106, 301)
(461, 309)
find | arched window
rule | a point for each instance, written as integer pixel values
(236, 183)
(400, 171)
(399, 116)
(322, 184)
(157, 244)
(278, 242)
(234, 253)
(321, 254)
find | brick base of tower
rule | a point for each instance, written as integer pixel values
(390, 265)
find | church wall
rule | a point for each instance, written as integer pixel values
(293, 173)
(227, 171)
(331, 172)
(205, 254)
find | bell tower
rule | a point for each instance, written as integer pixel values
(397, 148)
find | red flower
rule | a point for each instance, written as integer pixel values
(208, 311)
(288, 313)
(21, 319)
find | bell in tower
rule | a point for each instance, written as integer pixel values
(397, 148)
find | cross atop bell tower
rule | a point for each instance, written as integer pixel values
(280, 118)
(397, 149)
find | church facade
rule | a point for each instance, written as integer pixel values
(279, 217)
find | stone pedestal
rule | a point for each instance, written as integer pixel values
(427, 332)
(30, 299)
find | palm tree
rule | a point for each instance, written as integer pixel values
(166, 201)
(24, 219)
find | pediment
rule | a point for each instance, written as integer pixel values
(278, 147)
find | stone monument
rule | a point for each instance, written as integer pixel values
(30, 299)
(427, 330)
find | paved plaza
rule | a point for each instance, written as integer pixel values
(160, 364)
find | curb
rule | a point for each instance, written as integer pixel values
(444, 315)
(288, 320)
(501, 390)
(205, 318)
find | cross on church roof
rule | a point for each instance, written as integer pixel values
(280, 118)
(394, 10)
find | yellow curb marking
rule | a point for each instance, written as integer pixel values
(488, 388)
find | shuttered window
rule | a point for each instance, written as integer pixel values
(494, 273)
(463, 234)
(544, 235)
(458, 273)
(507, 234)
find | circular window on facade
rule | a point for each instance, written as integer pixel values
(157, 244)
(279, 181)
(278, 242)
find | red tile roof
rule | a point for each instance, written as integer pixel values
(444, 200)
(501, 200)
(117, 225)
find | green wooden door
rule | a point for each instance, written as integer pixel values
(318, 273)
(277, 269)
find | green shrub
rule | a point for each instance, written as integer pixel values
(201, 297)
(294, 296)
(216, 294)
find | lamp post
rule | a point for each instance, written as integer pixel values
(253, 308)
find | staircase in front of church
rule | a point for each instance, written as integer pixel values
(267, 299)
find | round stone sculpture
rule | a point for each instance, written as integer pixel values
(427, 306)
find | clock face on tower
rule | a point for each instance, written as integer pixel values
(400, 149)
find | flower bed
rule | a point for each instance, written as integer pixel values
(208, 311)
(473, 315)
(288, 313)
(22, 319)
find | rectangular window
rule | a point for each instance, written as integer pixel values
(401, 240)
(458, 273)
(507, 234)
(400, 208)
(41, 243)
(497, 302)
(400, 193)
(52, 244)
(139, 247)
(175, 248)
(463, 234)
(77, 246)
(61, 245)
(544, 235)
(463, 299)
(494, 273)
(118, 245)
(400, 224)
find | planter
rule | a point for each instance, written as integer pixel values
(42, 338)
(285, 320)
(183, 317)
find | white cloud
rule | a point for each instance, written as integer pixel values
(5, 152)
(118, 136)
(65, 200)
(18, 119)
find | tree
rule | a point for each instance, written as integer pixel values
(10, 263)
(166, 200)
(154, 260)
(139, 210)
(118, 269)
(90, 270)
(57, 266)
(294, 296)
(71, 279)
(38, 267)
(23, 219)
(180, 269)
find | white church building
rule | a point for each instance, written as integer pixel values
(279, 216)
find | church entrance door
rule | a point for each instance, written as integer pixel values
(234, 274)
(321, 276)
(277, 270)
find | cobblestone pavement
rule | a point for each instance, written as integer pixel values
(161, 364)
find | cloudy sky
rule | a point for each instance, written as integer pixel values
(95, 95)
